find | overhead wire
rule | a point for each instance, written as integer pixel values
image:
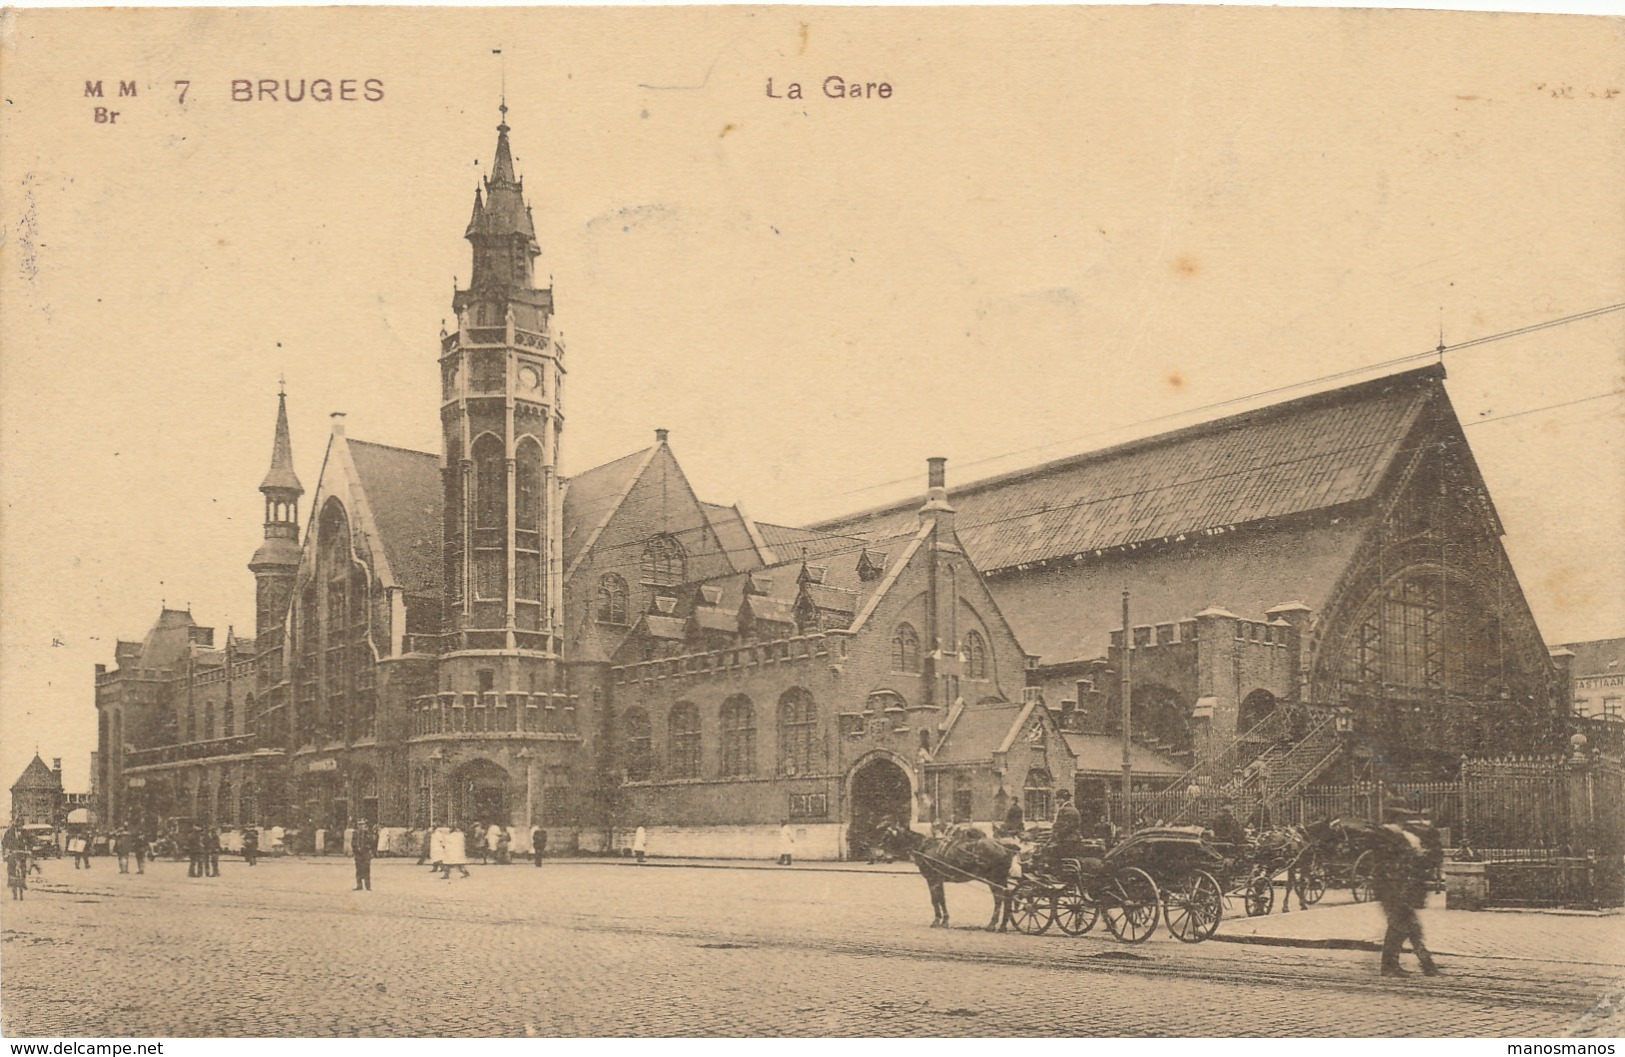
(1437, 352)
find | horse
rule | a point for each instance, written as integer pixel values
(1296, 848)
(952, 859)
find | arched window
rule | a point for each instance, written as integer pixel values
(228, 724)
(611, 599)
(639, 744)
(683, 726)
(798, 731)
(664, 562)
(738, 737)
(225, 812)
(208, 721)
(527, 483)
(905, 649)
(1038, 792)
(490, 483)
(975, 656)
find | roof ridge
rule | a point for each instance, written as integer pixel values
(393, 447)
(1182, 433)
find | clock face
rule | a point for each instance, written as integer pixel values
(530, 379)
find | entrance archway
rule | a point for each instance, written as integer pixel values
(1255, 708)
(880, 792)
(479, 793)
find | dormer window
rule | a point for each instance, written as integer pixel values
(711, 595)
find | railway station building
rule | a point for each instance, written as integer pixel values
(472, 636)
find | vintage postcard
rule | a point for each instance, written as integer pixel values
(778, 521)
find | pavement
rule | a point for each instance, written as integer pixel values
(596, 947)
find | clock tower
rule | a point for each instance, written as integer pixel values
(502, 374)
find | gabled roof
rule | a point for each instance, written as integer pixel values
(741, 544)
(789, 544)
(403, 490)
(1316, 452)
(37, 776)
(591, 499)
(976, 732)
(1103, 754)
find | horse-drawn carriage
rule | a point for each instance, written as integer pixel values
(1162, 874)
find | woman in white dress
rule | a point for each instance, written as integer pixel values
(446, 850)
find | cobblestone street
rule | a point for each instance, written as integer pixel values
(600, 948)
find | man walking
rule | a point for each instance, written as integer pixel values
(1409, 851)
(139, 845)
(121, 848)
(251, 845)
(361, 847)
(538, 843)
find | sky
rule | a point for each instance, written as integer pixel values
(1063, 228)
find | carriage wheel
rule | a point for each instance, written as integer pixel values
(1032, 909)
(1192, 906)
(1311, 882)
(1260, 895)
(1364, 868)
(1131, 904)
(1076, 910)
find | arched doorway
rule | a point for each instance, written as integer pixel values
(1255, 708)
(479, 793)
(880, 792)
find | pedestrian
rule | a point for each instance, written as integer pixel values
(251, 845)
(493, 836)
(278, 836)
(16, 848)
(504, 846)
(79, 848)
(1407, 851)
(640, 844)
(211, 848)
(448, 850)
(141, 848)
(538, 843)
(121, 848)
(194, 852)
(787, 843)
(1015, 822)
(361, 847)
(425, 847)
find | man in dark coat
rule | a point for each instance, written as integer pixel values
(194, 852)
(211, 850)
(362, 843)
(1066, 832)
(1015, 823)
(1409, 850)
(251, 845)
(1226, 830)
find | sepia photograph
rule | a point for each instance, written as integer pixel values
(773, 521)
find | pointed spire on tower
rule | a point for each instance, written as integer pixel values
(474, 220)
(502, 165)
(280, 476)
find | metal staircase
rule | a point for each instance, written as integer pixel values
(1226, 768)
(1291, 770)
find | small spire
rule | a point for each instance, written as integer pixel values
(280, 477)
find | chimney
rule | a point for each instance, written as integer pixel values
(56, 764)
(661, 435)
(937, 508)
(338, 423)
